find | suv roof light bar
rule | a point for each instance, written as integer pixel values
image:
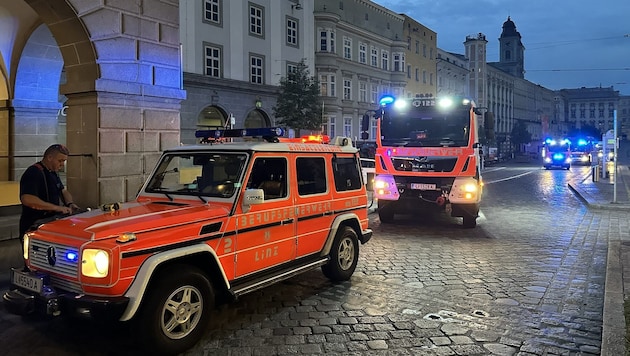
(269, 134)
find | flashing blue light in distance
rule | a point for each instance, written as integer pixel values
(386, 100)
(72, 256)
(582, 142)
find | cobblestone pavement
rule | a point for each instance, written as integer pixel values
(529, 280)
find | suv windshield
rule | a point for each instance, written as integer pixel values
(426, 127)
(211, 174)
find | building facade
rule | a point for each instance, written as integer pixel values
(452, 74)
(588, 108)
(235, 53)
(359, 56)
(421, 56)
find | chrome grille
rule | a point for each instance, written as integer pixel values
(52, 257)
(70, 286)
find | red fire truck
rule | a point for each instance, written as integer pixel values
(428, 153)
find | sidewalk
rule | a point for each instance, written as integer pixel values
(604, 195)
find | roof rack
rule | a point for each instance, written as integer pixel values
(269, 134)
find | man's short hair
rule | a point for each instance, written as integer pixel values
(57, 147)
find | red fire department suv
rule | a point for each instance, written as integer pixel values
(212, 220)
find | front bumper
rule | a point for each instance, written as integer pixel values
(54, 302)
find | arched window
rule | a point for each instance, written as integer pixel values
(257, 118)
(211, 117)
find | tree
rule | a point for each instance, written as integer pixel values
(520, 135)
(298, 105)
(586, 130)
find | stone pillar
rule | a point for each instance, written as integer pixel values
(35, 127)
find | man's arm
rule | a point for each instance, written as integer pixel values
(67, 197)
(36, 203)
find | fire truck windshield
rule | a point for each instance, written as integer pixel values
(427, 127)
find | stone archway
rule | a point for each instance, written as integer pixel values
(257, 118)
(212, 116)
(122, 69)
(36, 100)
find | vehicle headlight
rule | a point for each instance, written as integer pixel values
(381, 184)
(547, 160)
(470, 187)
(95, 263)
(25, 246)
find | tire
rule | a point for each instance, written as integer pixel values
(469, 221)
(344, 255)
(176, 311)
(385, 212)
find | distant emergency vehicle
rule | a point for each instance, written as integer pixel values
(556, 153)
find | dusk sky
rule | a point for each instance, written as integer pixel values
(568, 43)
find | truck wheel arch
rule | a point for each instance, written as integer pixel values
(153, 264)
(349, 219)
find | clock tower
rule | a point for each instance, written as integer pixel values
(511, 49)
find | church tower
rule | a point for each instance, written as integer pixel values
(511, 49)
(476, 46)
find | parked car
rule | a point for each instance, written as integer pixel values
(368, 168)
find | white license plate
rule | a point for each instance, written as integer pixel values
(26, 281)
(422, 186)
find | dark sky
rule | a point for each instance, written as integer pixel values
(568, 43)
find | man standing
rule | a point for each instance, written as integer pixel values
(41, 191)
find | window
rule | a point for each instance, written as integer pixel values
(327, 41)
(270, 175)
(374, 93)
(373, 56)
(424, 50)
(373, 126)
(417, 47)
(347, 48)
(291, 68)
(256, 21)
(399, 62)
(347, 174)
(327, 85)
(347, 127)
(292, 32)
(347, 89)
(212, 11)
(213, 67)
(363, 92)
(408, 71)
(256, 67)
(362, 53)
(384, 60)
(424, 76)
(417, 74)
(328, 127)
(311, 175)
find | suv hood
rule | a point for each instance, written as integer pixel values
(131, 217)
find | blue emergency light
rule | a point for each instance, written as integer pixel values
(267, 133)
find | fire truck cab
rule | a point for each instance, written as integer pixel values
(556, 153)
(427, 154)
(213, 220)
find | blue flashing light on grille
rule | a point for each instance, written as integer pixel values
(72, 256)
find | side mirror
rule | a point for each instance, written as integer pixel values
(252, 197)
(365, 123)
